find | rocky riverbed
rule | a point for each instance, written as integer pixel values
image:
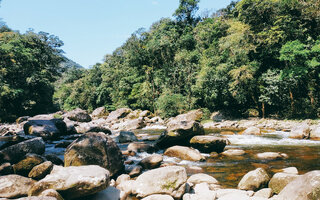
(129, 154)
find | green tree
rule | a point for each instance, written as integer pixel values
(186, 11)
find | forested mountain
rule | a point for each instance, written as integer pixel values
(253, 56)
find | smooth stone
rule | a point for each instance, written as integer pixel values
(305, 187)
(73, 182)
(233, 152)
(184, 153)
(14, 186)
(265, 193)
(40, 171)
(24, 166)
(158, 197)
(166, 180)
(202, 178)
(122, 178)
(254, 180)
(252, 131)
(208, 143)
(152, 161)
(280, 180)
(290, 170)
(271, 156)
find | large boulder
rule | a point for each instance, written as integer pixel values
(184, 153)
(195, 179)
(254, 180)
(15, 153)
(305, 187)
(95, 149)
(280, 180)
(100, 112)
(46, 126)
(301, 131)
(208, 143)
(79, 115)
(73, 182)
(166, 180)
(127, 136)
(118, 114)
(193, 115)
(14, 186)
(179, 133)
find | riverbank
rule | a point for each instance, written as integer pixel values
(119, 154)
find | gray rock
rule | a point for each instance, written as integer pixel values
(208, 143)
(118, 114)
(141, 147)
(100, 112)
(180, 130)
(15, 153)
(79, 115)
(95, 149)
(129, 124)
(45, 126)
(280, 180)
(127, 136)
(136, 171)
(184, 153)
(254, 180)
(73, 182)
(166, 180)
(14, 186)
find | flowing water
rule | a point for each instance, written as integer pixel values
(303, 154)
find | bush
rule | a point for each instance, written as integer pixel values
(169, 105)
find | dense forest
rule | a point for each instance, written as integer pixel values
(254, 57)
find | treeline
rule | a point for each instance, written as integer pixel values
(255, 57)
(29, 65)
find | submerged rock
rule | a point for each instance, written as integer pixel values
(166, 180)
(14, 186)
(254, 180)
(208, 143)
(184, 153)
(234, 152)
(73, 182)
(141, 147)
(95, 149)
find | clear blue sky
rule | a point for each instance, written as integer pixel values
(91, 29)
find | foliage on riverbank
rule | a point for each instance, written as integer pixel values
(262, 55)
